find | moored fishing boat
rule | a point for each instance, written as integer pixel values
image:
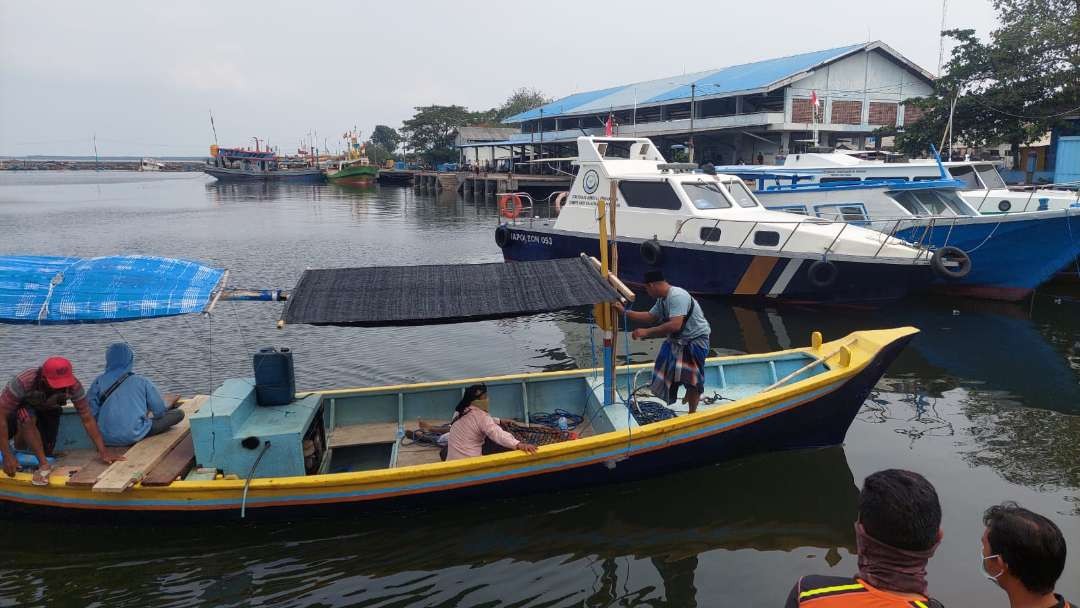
(343, 449)
(354, 167)
(1011, 254)
(241, 164)
(710, 235)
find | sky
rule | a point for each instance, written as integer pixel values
(143, 77)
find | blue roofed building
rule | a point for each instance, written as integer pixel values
(743, 112)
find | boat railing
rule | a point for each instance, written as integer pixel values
(889, 228)
(532, 209)
(1074, 185)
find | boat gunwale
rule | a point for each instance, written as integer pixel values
(865, 346)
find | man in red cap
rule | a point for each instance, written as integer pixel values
(30, 408)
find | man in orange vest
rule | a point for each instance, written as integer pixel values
(898, 529)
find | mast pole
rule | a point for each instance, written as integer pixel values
(614, 257)
(604, 317)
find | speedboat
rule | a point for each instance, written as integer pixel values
(982, 186)
(709, 234)
(1011, 254)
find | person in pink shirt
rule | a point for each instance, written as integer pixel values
(472, 425)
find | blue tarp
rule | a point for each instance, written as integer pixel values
(50, 289)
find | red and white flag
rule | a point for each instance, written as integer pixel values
(609, 126)
(813, 98)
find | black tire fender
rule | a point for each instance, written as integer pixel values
(823, 274)
(502, 236)
(950, 262)
(652, 252)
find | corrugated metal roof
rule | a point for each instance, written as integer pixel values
(759, 75)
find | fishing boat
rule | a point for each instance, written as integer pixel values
(333, 450)
(1011, 254)
(354, 168)
(242, 164)
(710, 234)
(982, 187)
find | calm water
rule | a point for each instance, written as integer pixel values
(985, 403)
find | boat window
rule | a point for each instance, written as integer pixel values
(908, 201)
(741, 194)
(766, 238)
(850, 212)
(710, 233)
(966, 174)
(934, 203)
(649, 195)
(953, 201)
(798, 209)
(991, 177)
(891, 178)
(829, 180)
(927, 178)
(705, 195)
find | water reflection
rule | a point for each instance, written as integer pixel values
(617, 543)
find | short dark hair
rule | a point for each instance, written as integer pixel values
(900, 508)
(1030, 544)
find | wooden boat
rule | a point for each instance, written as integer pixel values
(244, 165)
(364, 429)
(353, 167)
(347, 449)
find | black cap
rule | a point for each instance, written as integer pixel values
(653, 276)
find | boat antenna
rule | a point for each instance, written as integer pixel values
(97, 162)
(212, 127)
(941, 37)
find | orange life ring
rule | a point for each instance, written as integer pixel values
(510, 205)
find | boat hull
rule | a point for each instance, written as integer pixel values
(292, 175)
(705, 270)
(361, 175)
(809, 413)
(1009, 258)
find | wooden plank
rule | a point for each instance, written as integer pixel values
(361, 434)
(146, 454)
(92, 467)
(417, 454)
(177, 463)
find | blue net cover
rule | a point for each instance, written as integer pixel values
(50, 289)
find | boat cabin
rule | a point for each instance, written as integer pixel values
(242, 159)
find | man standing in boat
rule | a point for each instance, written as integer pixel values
(682, 323)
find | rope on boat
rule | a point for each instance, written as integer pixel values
(247, 482)
(551, 419)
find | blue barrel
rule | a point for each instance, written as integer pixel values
(275, 383)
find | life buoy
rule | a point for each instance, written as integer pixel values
(510, 205)
(951, 262)
(822, 274)
(560, 198)
(652, 252)
(502, 236)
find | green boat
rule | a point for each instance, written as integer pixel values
(354, 167)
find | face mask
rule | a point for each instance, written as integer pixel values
(482, 403)
(982, 565)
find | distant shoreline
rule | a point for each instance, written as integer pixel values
(106, 164)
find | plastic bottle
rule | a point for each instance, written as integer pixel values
(563, 425)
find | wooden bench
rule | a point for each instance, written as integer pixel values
(142, 457)
(363, 434)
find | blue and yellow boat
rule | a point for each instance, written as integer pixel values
(346, 449)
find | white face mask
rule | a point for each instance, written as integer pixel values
(982, 566)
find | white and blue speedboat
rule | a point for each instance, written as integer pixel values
(711, 235)
(1011, 253)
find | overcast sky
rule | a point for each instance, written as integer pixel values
(143, 75)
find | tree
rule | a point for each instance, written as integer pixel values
(1013, 88)
(385, 137)
(376, 153)
(521, 100)
(430, 132)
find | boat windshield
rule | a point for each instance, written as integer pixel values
(706, 195)
(931, 202)
(990, 176)
(742, 196)
(966, 174)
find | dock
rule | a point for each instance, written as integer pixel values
(473, 186)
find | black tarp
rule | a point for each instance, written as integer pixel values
(428, 295)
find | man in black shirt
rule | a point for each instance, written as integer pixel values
(1024, 553)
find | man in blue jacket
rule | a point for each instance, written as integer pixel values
(121, 400)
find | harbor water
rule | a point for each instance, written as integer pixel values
(985, 403)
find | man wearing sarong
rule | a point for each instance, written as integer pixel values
(677, 317)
